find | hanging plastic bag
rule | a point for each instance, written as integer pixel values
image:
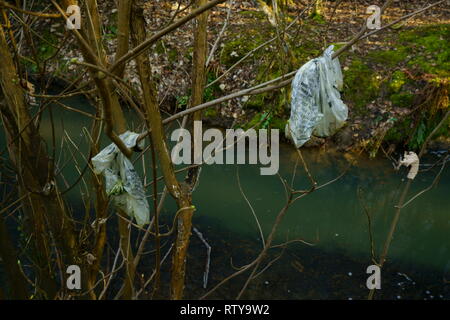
(410, 159)
(316, 105)
(123, 184)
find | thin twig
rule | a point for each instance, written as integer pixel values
(208, 256)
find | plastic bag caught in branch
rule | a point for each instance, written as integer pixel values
(123, 184)
(410, 159)
(316, 105)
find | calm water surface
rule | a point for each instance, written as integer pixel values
(331, 218)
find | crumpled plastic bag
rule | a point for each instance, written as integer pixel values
(410, 159)
(123, 184)
(316, 105)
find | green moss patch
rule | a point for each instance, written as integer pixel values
(361, 85)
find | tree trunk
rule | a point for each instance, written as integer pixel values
(115, 122)
(36, 181)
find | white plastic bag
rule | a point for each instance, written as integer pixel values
(410, 159)
(123, 184)
(316, 105)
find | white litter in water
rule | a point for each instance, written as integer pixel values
(404, 275)
(349, 274)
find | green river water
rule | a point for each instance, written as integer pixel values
(331, 218)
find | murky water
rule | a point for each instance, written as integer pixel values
(332, 218)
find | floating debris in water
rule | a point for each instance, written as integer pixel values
(399, 297)
(350, 298)
(405, 276)
(427, 292)
(439, 153)
(336, 235)
(350, 274)
(266, 282)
